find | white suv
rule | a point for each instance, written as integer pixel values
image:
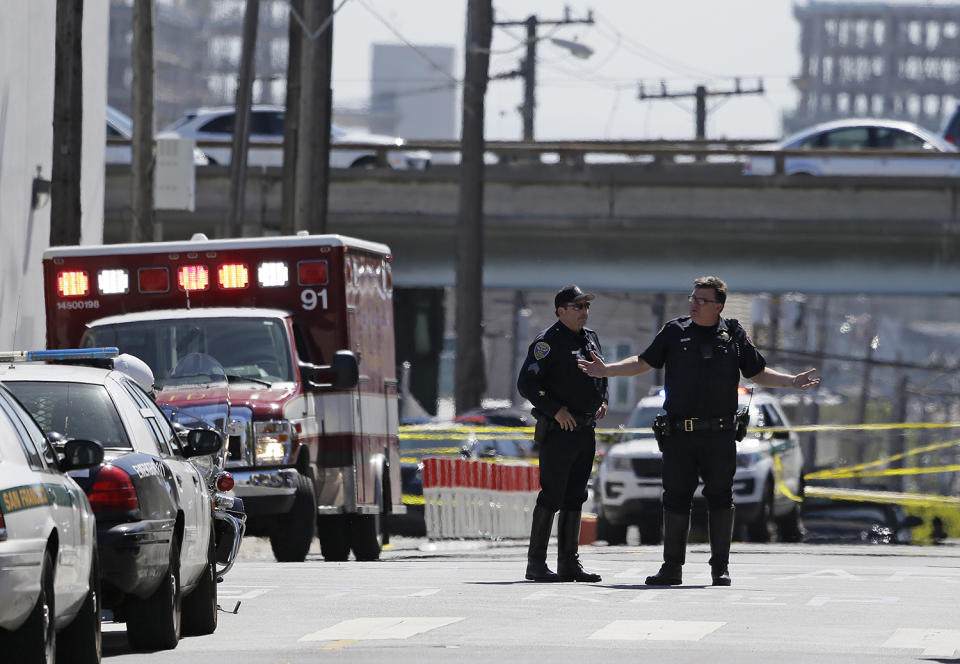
(767, 485)
(266, 126)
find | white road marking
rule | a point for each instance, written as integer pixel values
(934, 642)
(235, 592)
(821, 600)
(365, 629)
(828, 573)
(656, 630)
(913, 575)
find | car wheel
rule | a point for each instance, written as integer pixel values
(35, 642)
(200, 606)
(762, 528)
(154, 623)
(81, 642)
(292, 534)
(611, 533)
(334, 535)
(369, 162)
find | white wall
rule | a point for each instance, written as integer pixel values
(27, 36)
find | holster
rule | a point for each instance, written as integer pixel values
(543, 427)
(743, 421)
(661, 429)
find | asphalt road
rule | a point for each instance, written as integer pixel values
(467, 602)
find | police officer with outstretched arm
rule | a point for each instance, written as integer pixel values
(567, 404)
(704, 355)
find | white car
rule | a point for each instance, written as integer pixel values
(266, 126)
(154, 513)
(767, 485)
(119, 126)
(861, 134)
(49, 569)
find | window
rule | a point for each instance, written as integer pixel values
(898, 140)
(75, 410)
(144, 403)
(848, 138)
(622, 390)
(220, 125)
(12, 421)
(269, 123)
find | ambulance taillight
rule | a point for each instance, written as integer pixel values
(233, 275)
(73, 283)
(113, 282)
(153, 280)
(193, 278)
(312, 273)
(271, 274)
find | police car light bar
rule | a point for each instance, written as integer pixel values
(63, 354)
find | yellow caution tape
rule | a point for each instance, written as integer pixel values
(413, 430)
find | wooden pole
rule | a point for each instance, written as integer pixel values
(143, 158)
(241, 122)
(67, 126)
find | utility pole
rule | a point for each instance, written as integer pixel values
(700, 94)
(241, 122)
(528, 66)
(67, 125)
(291, 117)
(312, 180)
(143, 158)
(469, 373)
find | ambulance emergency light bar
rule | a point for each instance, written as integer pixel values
(192, 277)
(66, 354)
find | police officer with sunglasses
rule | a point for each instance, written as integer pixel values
(567, 404)
(704, 355)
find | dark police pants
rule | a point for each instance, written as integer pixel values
(566, 460)
(690, 456)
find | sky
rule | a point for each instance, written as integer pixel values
(684, 43)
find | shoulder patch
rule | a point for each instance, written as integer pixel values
(541, 350)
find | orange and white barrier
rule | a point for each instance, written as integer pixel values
(478, 499)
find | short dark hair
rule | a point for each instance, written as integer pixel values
(716, 283)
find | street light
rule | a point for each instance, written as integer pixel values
(577, 49)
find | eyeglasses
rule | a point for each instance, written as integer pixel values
(700, 300)
(579, 306)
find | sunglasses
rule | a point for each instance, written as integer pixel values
(700, 300)
(579, 306)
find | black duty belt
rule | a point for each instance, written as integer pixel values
(585, 420)
(688, 424)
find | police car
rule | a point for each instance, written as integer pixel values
(49, 576)
(767, 485)
(154, 523)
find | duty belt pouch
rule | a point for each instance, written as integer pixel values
(544, 424)
(661, 429)
(742, 419)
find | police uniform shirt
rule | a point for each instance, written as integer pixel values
(550, 377)
(703, 366)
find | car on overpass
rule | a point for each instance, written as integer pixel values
(267, 125)
(861, 134)
(120, 126)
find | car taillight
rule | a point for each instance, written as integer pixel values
(113, 491)
(225, 482)
(73, 283)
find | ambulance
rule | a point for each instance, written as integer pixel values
(303, 329)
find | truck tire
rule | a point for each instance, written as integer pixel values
(365, 537)
(611, 533)
(35, 641)
(200, 606)
(292, 534)
(81, 642)
(154, 623)
(333, 531)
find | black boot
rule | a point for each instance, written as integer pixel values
(568, 539)
(676, 527)
(720, 530)
(537, 569)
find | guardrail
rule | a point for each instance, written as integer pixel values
(579, 152)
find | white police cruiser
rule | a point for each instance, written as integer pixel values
(49, 568)
(767, 485)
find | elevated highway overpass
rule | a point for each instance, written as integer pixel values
(630, 227)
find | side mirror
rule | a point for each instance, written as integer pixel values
(202, 441)
(343, 374)
(79, 454)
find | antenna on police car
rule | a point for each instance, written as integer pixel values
(16, 323)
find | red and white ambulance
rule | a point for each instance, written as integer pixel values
(303, 328)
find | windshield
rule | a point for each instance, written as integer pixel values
(253, 348)
(76, 410)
